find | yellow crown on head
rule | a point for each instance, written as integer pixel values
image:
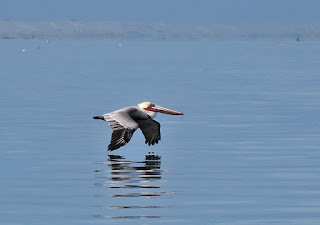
(144, 105)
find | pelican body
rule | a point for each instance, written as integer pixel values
(124, 122)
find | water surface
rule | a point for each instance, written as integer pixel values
(245, 152)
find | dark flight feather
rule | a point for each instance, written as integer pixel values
(151, 130)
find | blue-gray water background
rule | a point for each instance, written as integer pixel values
(245, 152)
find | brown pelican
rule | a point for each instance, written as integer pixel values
(124, 122)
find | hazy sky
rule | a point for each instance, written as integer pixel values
(182, 11)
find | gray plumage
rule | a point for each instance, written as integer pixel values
(126, 121)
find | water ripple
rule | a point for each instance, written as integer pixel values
(125, 175)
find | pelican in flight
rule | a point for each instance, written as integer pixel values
(124, 122)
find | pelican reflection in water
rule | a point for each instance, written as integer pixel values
(129, 179)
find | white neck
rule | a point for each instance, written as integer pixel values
(150, 113)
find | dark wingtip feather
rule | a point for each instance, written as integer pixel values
(111, 148)
(98, 117)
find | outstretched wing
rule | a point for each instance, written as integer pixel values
(120, 138)
(151, 131)
(123, 127)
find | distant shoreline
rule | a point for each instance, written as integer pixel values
(155, 31)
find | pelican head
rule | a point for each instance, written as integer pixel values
(151, 109)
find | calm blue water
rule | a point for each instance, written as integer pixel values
(245, 152)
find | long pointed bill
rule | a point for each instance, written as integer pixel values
(160, 109)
